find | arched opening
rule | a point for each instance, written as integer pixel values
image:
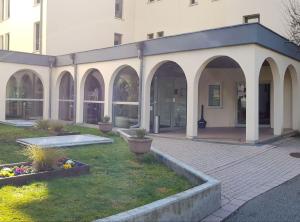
(290, 87)
(267, 84)
(24, 96)
(126, 98)
(93, 107)
(222, 101)
(168, 99)
(66, 97)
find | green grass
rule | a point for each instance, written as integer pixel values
(117, 182)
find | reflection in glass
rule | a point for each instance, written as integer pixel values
(93, 108)
(125, 98)
(24, 96)
(66, 98)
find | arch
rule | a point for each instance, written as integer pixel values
(291, 87)
(66, 96)
(168, 96)
(92, 93)
(221, 85)
(125, 96)
(24, 95)
(269, 88)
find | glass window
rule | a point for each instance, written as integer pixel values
(125, 98)
(118, 39)
(66, 98)
(160, 34)
(37, 36)
(24, 96)
(118, 8)
(150, 36)
(7, 41)
(214, 95)
(93, 97)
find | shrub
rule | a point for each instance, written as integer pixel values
(106, 119)
(141, 133)
(43, 124)
(43, 159)
(56, 126)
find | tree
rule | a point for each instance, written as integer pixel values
(293, 19)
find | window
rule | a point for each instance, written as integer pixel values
(7, 41)
(214, 95)
(4, 9)
(150, 36)
(160, 34)
(118, 8)
(252, 18)
(118, 39)
(150, 1)
(37, 36)
(1, 42)
(193, 2)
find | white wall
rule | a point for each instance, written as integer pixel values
(177, 16)
(74, 26)
(20, 25)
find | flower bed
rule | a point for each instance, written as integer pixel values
(22, 173)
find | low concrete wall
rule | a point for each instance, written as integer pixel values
(188, 206)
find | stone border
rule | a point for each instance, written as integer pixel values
(192, 205)
(45, 175)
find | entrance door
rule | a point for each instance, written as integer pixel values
(169, 102)
(264, 104)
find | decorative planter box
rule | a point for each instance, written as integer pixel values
(20, 180)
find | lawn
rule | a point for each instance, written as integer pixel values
(117, 182)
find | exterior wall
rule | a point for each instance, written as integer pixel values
(8, 69)
(85, 26)
(177, 16)
(90, 26)
(20, 25)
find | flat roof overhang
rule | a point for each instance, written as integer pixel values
(214, 38)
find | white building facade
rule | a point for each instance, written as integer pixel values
(245, 76)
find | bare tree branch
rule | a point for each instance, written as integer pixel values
(293, 19)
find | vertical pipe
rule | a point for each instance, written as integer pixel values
(74, 62)
(141, 79)
(51, 65)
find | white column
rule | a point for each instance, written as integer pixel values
(278, 85)
(145, 109)
(252, 104)
(192, 108)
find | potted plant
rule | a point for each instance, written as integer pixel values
(105, 126)
(140, 144)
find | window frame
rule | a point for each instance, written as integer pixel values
(121, 11)
(35, 32)
(209, 102)
(121, 38)
(246, 18)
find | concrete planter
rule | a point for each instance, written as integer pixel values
(105, 127)
(46, 175)
(139, 146)
(191, 205)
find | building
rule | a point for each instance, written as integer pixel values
(236, 63)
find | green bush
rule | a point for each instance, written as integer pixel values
(43, 159)
(141, 133)
(43, 124)
(56, 126)
(106, 119)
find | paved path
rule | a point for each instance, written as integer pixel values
(244, 171)
(280, 204)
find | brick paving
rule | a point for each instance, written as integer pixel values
(244, 171)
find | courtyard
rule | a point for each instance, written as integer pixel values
(117, 182)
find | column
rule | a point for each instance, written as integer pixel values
(252, 104)
(192, 108)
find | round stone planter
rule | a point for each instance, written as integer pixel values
(140, 146)
(105, 127)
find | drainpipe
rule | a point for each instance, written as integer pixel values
(52, 61)
(140, 55)
(75, 66)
